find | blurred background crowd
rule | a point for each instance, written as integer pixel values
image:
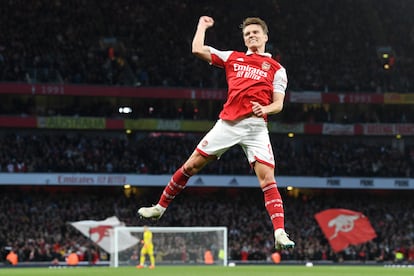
(118, 153)
(325, 45)
(36, 223)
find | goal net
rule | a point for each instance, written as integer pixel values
(174, 246)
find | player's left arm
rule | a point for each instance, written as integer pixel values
(275, 107)
(279, 88)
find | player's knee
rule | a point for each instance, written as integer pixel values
(189, 168)
(265, 174)
(196, 162)
(266, 180)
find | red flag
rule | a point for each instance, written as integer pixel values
(343, 227)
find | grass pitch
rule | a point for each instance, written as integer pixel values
(247, 270)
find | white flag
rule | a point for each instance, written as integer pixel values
(101, 232)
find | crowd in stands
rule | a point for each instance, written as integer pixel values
(323, 156)
(35, 221)
(325, 45)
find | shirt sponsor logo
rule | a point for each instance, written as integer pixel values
(246, 71)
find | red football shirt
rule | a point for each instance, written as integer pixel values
(250, 77)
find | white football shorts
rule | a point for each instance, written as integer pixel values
(251, 134)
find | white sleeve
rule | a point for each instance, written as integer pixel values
(223, 55)
(280, 81)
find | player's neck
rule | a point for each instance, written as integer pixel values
(259, 50)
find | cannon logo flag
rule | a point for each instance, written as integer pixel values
(344, 227)
(101, 232)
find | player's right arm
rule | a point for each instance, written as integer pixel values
(198, 47)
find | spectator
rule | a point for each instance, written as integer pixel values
(12, 258)
(72, 259)
(80, 55)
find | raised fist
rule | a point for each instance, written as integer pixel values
(205, 21)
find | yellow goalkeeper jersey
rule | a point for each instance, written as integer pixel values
(147, 237)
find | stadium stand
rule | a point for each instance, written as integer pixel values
(52, 45)
(301, 156)
(127, 43)
(36, 221)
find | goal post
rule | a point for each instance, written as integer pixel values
(173, 245)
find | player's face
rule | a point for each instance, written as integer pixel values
(254, 37)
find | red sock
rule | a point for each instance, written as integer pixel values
(274, 205)
(174, 187)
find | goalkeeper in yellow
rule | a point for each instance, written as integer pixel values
(147, 249)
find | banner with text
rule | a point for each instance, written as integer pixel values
(79, 179)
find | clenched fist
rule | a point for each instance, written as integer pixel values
(205, 22)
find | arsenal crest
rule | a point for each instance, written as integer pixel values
(265, 66)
